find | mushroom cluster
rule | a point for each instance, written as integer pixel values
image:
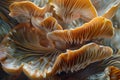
(60, 37)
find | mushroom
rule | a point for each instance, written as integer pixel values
(22, 44)
(68, 61)
(69, 10)
(26, 11)
(99, 27)
(42, 49)
(26, 48)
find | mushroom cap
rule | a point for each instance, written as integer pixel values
(24, 11)
(25, 53)
(98, 27)
(42, 49)
(69, 61)
(69, 10)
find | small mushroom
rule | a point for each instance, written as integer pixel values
(26, 11)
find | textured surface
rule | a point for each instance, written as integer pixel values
(59, 39)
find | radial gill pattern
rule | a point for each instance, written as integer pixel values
(69, 61)
(26, 11)
(60, 39)
(70, 10)
(99, 27)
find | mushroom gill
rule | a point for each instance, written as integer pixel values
(26, 37)
(69, 10)
(23, 44)
(43, 49)
(24, 50)
(4, 11)
(69, 61)
(98, 27)
(26, 11)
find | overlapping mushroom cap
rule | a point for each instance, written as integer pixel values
(99, 27)
(69, 10)
(39, 57)
(41, 48)
(26, 11)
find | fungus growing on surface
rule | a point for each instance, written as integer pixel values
(39, 54)
(37, 66)
(69, 10)
(20, 48)
(26, 11)
(99, 27)
(74, 60)
(48, 44)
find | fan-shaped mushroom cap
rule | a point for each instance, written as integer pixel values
(71, 61)
(24, 11)
(26, 36)
(99, 27)
(113, 73)
(23, 44)
(24, 52)
(69, 10)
